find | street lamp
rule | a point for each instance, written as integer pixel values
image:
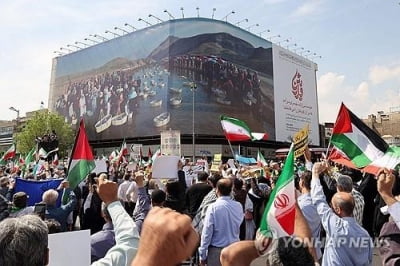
(148, 23)
(88, 39)
(115, 34)
(226, 17)
(123, 31)
(213, 13)
(85, 44)
(183, 15)
(169, 14)
(99, 37)
(276, 36)
(15, 110)
(74, 46)
(129, 25)
(261, 32)
(198, 13)
(248, 28)
(237, 23)
(66, 49)
(158, 19)
(193, 87)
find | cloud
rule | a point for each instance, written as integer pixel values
(308, 8)
(380, 74)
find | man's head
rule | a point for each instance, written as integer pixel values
(50, 197)
(343, 204)
(344, 183)
(305, 181)
(288, 251)
(4, 181)
(158, 198)
(202, 176)
(20, 200)
(23, 241)
(224, 187)
(213, 179)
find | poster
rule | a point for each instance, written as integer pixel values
(300, 140)
(165, 167)
(171, 142)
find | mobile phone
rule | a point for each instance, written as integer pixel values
(40, 209)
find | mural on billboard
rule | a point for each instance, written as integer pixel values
(144, 95)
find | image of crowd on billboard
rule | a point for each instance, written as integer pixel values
(220, 73)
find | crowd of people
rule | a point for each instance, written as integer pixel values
(137, 220)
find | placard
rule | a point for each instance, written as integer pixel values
(101, 166)
(300, 140)
(171, 142)
(69, 248)
(165, 167)
(136, 151)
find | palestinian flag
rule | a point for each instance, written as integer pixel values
(359, 145)
(82, 161)
(9, 154)
(260, 159)
(238, 130)
(279, 215)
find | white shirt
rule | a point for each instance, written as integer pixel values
(394, 211)
(132, 192)
(122, 189)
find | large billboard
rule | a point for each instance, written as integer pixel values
(295, 95)
(145, 82)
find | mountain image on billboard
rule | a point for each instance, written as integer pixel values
(143, 88)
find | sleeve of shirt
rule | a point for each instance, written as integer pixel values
(330, 221)
(126, 238)
(394, 211)
(206, 234)
(142, 208)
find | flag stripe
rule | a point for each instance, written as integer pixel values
(80, 169)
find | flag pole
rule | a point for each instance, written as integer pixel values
(230, 146)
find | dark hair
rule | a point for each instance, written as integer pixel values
(214, 179)
(202, 176)
(158, 196)
(238, 183)
(127, 176)
(293, 252)
(224, 186)
(306, 177)
(173, 188)
(53, 225)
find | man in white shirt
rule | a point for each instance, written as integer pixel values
(122, 189)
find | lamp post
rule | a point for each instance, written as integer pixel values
(129, 25)
(213, 13)
(123, 31)
(115, 34)
(193, 86)
(248, 28)
(158, 19)
(88, 39)
(169, 14)
(243, 20)
(183, 15)
(145, 21)
(85, 44)
(226, 17)
(17, 120)
(198, 12)
(261, 32)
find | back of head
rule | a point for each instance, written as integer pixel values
(202, 176)
(306, 179)
(344, 183)
(53, 226)
(20, 199)
(344, 201)
(23, 241)
(238, 183)
(214, 179)
(173, 188)
(158, 197)
(224, 186)
(50, 197)
(288, 251)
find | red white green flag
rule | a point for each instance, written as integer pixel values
(9, 154)
(82, 161)
(361, 146)
(238, 130)
(279, 215)
(123, 152)
(260, 159)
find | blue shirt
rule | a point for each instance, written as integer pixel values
(221, 225)
(61, 214)
(347, 243)
(314, 221)
(102, 241)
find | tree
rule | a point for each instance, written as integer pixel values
(44, 122)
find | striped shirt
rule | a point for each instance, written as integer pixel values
(358, 206)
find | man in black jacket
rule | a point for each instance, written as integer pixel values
(196, 193)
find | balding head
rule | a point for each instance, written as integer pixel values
(224, 187)
(343, 204)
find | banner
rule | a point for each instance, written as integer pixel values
(216, 163)
(35, 189)
(300, 140)
(135, 151)
(171, 142)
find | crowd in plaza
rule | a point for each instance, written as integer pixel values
(137, 220)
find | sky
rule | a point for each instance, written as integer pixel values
(358, 41)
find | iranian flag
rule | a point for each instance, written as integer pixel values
(260, 159)
(82, 161)
(361, 146)
(279, 215)
(55, 160)
(9, 154)
(238, 130)
(123, 152)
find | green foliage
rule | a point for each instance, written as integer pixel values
(44, 122)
